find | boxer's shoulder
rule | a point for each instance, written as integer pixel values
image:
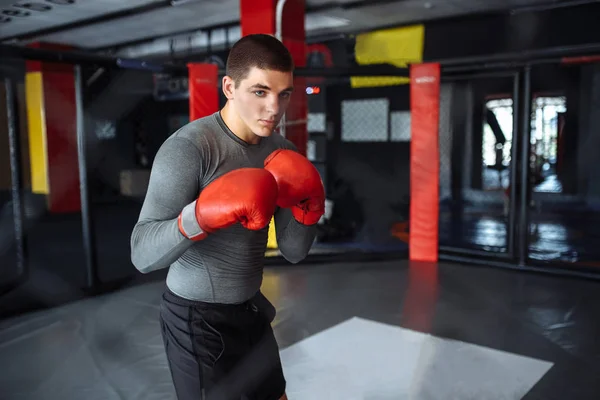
(197, 129)
(202, 133)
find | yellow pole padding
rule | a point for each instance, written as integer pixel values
(272, 240)
(36, 122)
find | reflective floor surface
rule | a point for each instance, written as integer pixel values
(568, 236)
(376, 331)
(566, 233)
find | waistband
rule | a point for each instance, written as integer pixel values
(171, 297)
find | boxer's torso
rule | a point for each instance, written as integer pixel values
(227, 266)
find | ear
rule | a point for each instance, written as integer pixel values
(228, 87)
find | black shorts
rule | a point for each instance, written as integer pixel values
(221, 351)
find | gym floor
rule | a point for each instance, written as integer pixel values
(364, 330)
(564, 235)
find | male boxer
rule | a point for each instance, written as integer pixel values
(214, 187)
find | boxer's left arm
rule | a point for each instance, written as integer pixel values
(293, 238)
(301, 201)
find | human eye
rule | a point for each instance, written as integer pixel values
(259, 93)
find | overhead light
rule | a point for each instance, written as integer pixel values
(319, 21)
(175, 3)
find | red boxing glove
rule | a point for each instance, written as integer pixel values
(300, 185)
(246, 195)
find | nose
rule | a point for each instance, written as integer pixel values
(273, 105)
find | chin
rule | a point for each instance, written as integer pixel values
(263, 132)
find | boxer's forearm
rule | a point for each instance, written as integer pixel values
(156, 241)
(293, 238)
(157, 244)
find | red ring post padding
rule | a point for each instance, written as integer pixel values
(203, 86)
(424, 161)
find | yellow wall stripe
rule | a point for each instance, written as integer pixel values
(36, 118)
(396, 46)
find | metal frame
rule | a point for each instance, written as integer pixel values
(511, 245)
(512, 215)
(89, 245)
(93, 282)
(495, 263)
(518, 228)
(78, 57)
(507, 61)
(18, 206)
(518, 240)
(87, 222)
(524, 120)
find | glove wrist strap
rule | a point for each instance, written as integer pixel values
(188, 224)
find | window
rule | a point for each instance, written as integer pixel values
(503, 110)
(544, 141)
(497, 143)
(544, 127)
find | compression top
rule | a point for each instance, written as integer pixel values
(227, 266)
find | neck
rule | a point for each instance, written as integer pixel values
(237, 125)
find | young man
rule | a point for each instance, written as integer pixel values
(214, 187)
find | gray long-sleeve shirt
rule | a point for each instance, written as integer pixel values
(227, 266)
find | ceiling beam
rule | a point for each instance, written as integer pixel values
(146, 39)
(16, 53)
(130, 12)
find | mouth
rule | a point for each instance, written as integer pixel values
(267, 122)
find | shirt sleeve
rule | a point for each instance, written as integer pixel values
(156, 241)
(293, 238)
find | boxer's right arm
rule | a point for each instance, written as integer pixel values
(156, 241)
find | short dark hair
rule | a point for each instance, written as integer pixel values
(258, 50)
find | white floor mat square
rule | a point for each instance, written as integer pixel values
(365, 360)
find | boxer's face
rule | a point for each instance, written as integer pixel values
(260, 100)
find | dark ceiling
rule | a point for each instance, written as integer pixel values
(138, 28)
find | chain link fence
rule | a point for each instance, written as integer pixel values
(115, 112)
(357, 135)
(358, 138)
(362, 141)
